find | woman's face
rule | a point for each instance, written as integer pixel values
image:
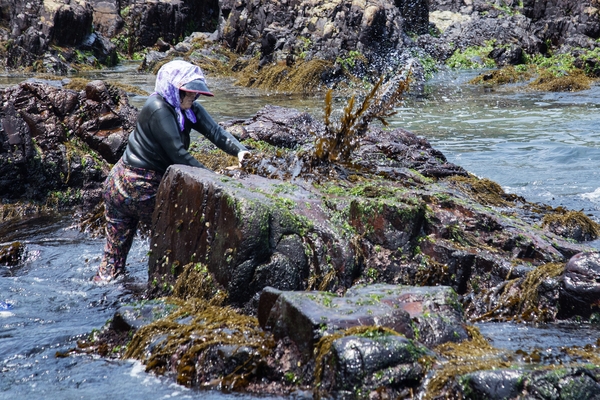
(187, 99)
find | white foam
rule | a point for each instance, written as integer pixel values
(6, 314)
(593, 196)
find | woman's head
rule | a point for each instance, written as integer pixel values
(187, 98)
(176, 78)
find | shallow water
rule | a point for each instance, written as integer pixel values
(542, 146)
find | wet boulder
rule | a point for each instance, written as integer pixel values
(106, 120)
(40, 31)
(248, 237)
(564, 383)
(581, 292)
(375, 363)
(12, 254)
(430, 315)
(536, 26)
(278, 126)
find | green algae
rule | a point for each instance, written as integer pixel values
(474, 57)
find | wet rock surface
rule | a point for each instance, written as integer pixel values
(581, 282)
(432, 315)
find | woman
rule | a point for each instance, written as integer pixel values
(161, 138)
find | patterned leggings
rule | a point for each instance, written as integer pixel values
(129, 197)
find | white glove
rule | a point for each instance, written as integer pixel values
(241, 155)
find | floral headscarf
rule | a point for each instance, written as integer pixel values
(170, 78)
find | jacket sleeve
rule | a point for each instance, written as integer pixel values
(166, 132)
(207, 126)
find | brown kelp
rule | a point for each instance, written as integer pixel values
(335, 144)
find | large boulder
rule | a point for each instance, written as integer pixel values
(43, 32)
(581, 294)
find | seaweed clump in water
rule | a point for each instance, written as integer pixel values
(192, 340)
(503, 76)
(303, 77)
(573, 82)
(471, 355)
(485, 191)
(520, 298)
(571, 224)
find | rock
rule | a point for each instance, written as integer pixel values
(581, 294)
(326, 30)
(378, 363)
(136, 316)
(107, 18)
(430, 315)
(498, 384)
(102, 48)
(12, 254)
(566, 383)
(43, 128)
(246, 238)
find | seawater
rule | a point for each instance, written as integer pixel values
(542, 146)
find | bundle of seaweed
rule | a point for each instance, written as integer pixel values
(333, 148)
(339, 141)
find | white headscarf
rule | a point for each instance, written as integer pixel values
(170, 78)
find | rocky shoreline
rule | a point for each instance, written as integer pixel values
(330, 44)
(302, 273)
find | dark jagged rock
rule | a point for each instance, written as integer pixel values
(533, 24)
(46, 135)
(326, 30)
(12, 254)
(565, 383)
(39, 30)
(380, 364)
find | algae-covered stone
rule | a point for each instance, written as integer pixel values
(247, 233)
(375, 361)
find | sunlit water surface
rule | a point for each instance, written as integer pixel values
(541, 146)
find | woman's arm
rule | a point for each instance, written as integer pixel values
(207, 126)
